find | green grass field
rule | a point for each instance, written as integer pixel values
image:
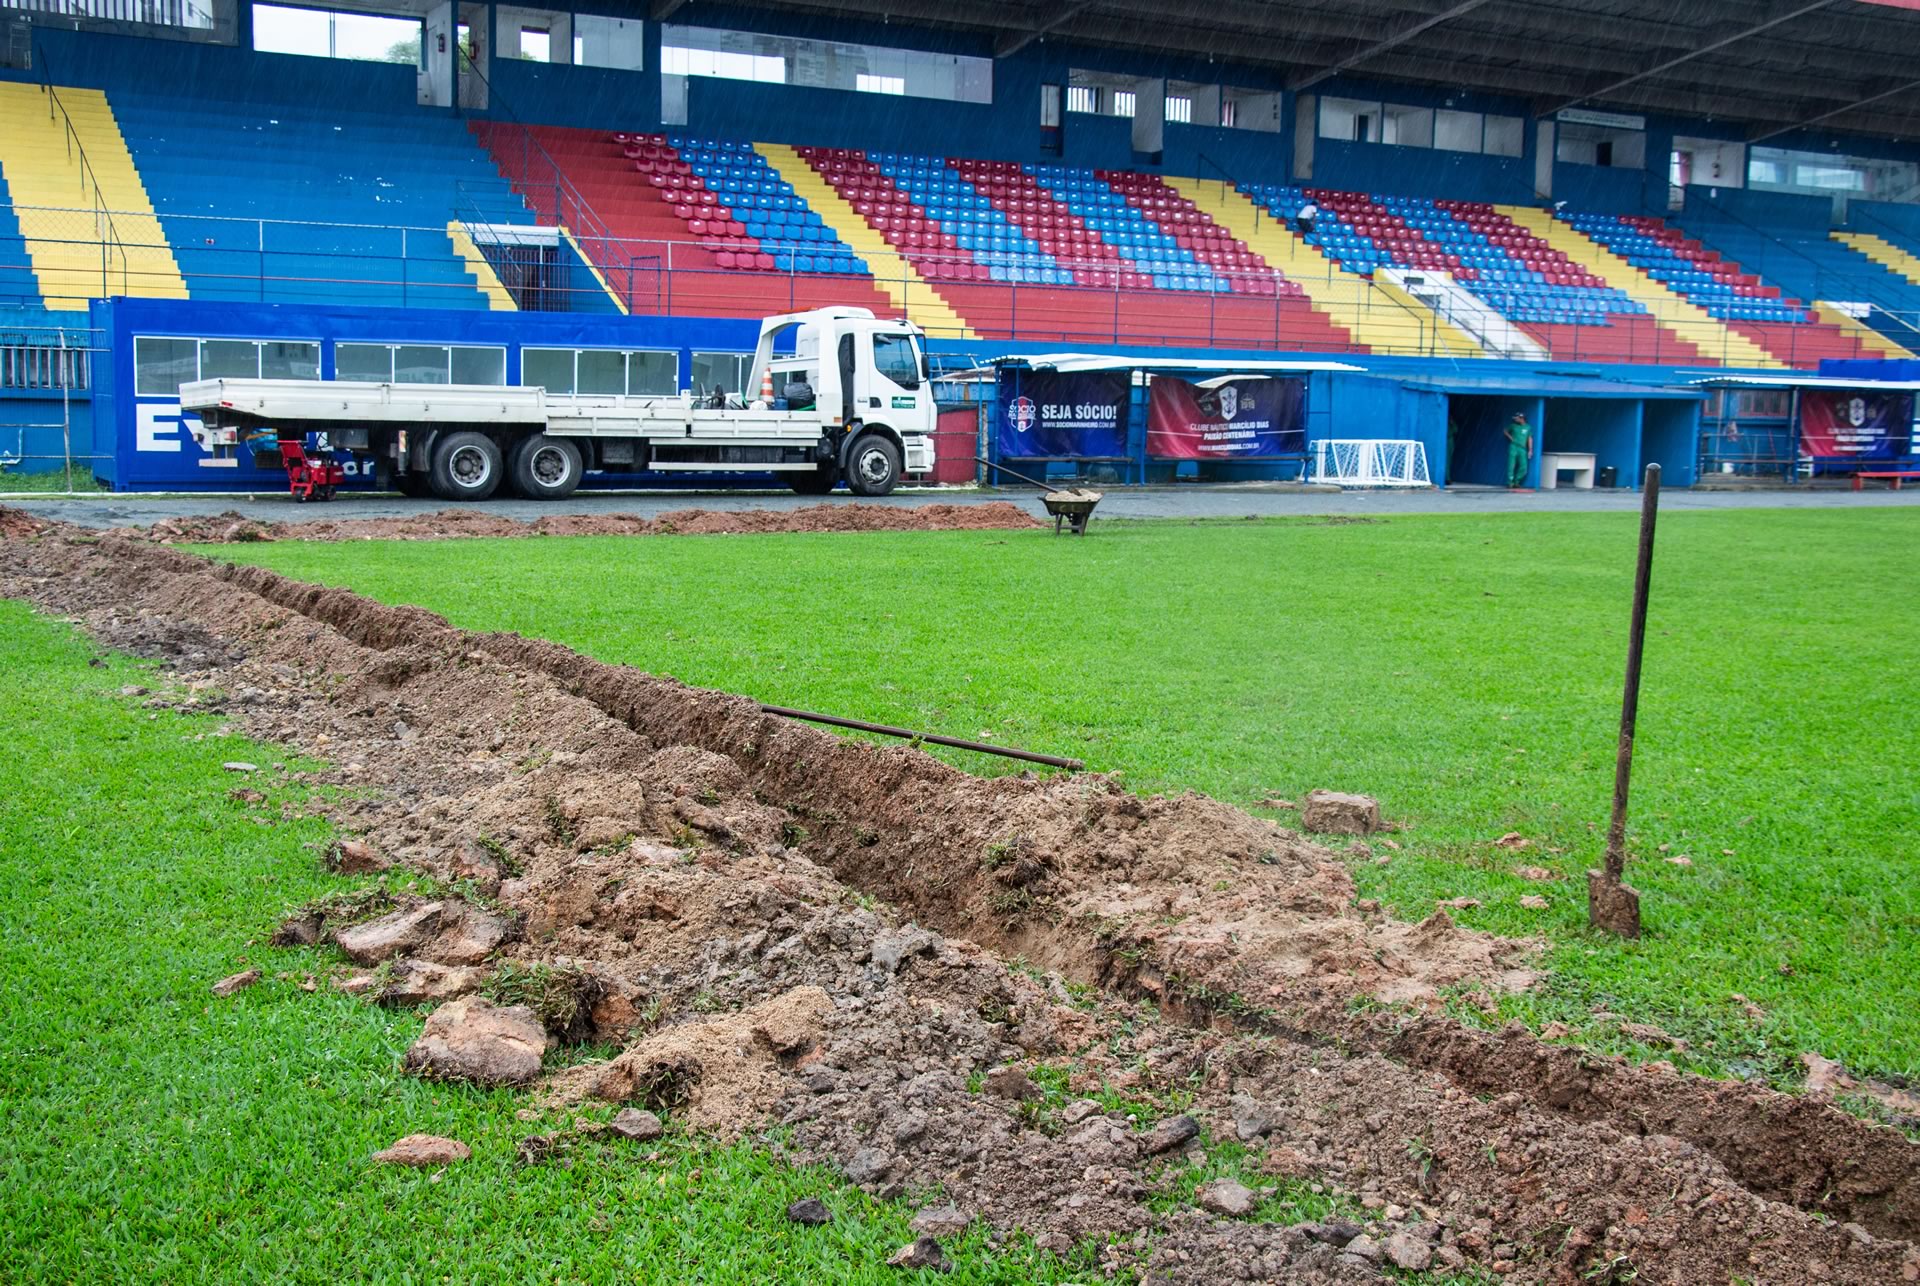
(155, 1133)
(1464, 669)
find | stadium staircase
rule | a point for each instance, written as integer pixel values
(499, 298)
(1379, 315)
(674, 226)
(315, 202)
(65, 160)
(906, 290)
(1883, 252)
(1690, 325)
(1747, 304)
(19, 287)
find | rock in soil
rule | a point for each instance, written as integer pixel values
(473, 1039)
(419, 982)
(397, 933)
(1227, 1197)
(357, 857)
(1169, 1134)
(1011, 1083)
(636, 1123)
(236, 982)
(1409, 1251)
(426, 1151)
(810, 1211)
(941, 1221)
(1331, 812)
(925, 1252)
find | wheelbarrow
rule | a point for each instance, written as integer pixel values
(1072, 507)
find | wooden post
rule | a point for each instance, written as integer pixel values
(1611, 904)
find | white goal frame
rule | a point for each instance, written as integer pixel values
(1371, 462)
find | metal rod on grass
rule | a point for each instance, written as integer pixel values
(1611, 904)
(888, 730)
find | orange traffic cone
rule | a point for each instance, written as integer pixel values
(766, 385)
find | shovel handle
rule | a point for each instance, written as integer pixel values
(1034, 482)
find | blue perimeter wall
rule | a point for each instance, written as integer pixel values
(142, 442)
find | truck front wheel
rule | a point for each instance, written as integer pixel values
(546, 468)
(466, 466)
(873, 469)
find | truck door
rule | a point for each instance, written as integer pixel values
(896, 387)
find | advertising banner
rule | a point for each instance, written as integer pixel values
(1855, 425)
(1241, 418)
(1046, 413)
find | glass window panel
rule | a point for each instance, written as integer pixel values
(365, 362)
(602, 371)
(1456, 131)
(609, 42)
(479, 365)
(229, 359)
(281, 30)
(547, 368)
(893, 357)
(1505, 136)
(1407, 126)
(371, 38)
(652, 373)
(289, 360)
(161, 366)
(419, 364)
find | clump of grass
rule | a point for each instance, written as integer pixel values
(562, 995)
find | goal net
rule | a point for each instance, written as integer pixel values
(1371, 462)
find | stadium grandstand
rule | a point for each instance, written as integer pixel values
(1652, 228)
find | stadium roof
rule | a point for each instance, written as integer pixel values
(1769, 65)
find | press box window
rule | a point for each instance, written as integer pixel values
(722, 370)
(161, 366)
(420, 364)
(600, 371)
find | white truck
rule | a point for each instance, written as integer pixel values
(862, 411)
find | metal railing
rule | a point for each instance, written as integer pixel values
(282, 261)
(107, 234)
(46, 360)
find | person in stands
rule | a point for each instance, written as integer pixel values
(1304, 220)
(1519, 450)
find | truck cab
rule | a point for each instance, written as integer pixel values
(871, 394)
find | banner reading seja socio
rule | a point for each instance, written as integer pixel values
(1048, 414)
(1250, 418)
(1871, 426)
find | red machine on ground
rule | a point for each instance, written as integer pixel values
(310, 477)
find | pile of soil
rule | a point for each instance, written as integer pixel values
(445, 524)
(780, 925)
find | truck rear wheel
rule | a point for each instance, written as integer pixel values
(873, 469)
(466, 466)
(816, 483)
(546, 468)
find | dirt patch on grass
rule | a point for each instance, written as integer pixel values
(709, 874)
(448, 524)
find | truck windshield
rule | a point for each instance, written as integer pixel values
(894, 357)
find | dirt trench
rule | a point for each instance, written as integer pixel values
(231, 528)
(700, 861)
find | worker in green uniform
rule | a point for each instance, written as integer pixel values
(1519, 450)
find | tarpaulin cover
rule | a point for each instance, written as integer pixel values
(1241, 418)
(1047, 414)
(1855, 423)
